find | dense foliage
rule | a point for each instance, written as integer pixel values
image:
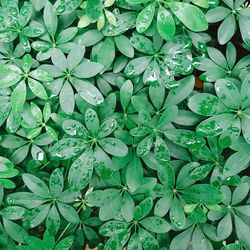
(124, 124)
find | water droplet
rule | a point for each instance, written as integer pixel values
(10, 200)
(40, 156)
(60, 9)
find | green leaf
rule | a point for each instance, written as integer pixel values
(56, 182)
(65, 244)
(144, 146)
(58, 59)
(191, 16)
(147, 240)
(25, 199)
(106, 53)
(231, 55)
(124, 22)
(41, 75)
(181, 92)
(126, 93)
(206, 104)
(134, 242)
(228, 93)
(217, 14)
(12, 141)
(13, 212)
(68, 147)
(118, 241)
(67, 99)
(203, 193)
(177, 215)
(102, 163)
(75, 128)
(145, 18)
(10, 75)
(137, 1)
(50, 19)
(36, 112)
(185, 138)
(127, 208)
(75, 56)
(240, 193)
(113, 227)
(53, 220)
(81, 171)
(35, 29)
(25, 13)
(182, 240)
(67, 6)
(242, 230)
(224, 228)
(134, 173)
(141, 102)
(243, 24)
(15, 231)
(87, 69)
(142, 44)
(137, 66)
(152, 73)
(183, 179)
(66, 35)
(27, 63)
(36, 185)
(34, 133)
(198, 240)
(167, 117)
(163, 204)
(201, 3)
(143, 209)
(216, 125)
(227, 29)
(37, 215)
(114, 146)
(200, 172)
(161, 152)
(94, 9)
(37, 89)
(92, 121)
(107, 127)
(111, 208)
(18, 97)
(165, 24)
(166, 175)
(155, 224)
(124, 46)
(68, 213)
(88, 92)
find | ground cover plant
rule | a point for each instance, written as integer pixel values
(124, 124)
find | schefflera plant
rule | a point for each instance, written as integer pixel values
(56, 34)
(160, 62)
(72, 72)
(7, 171)
(231, 12)
(46, 202)
(139, 232)
(216, 66)
(14, 23)
(95, 11)
(229, 110)
(91, 146)
(169, 14)
(19, 78)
